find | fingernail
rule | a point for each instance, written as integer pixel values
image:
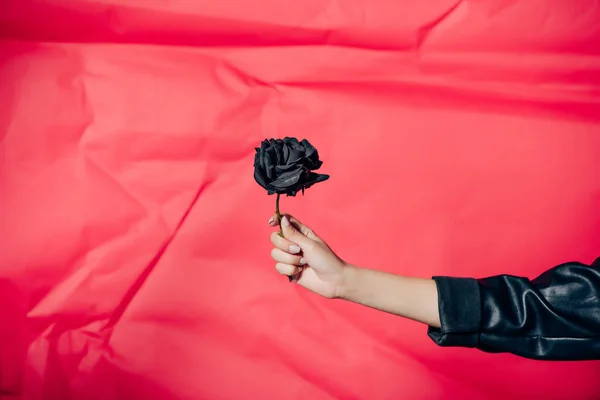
(295, 249)
(271, 220)
(302, 261)
(285, 221)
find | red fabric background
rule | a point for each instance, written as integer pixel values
(462, 138)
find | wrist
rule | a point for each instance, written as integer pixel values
(347, 282)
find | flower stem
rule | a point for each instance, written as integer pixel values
(278, 215)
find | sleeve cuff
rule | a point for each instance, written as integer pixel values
(459, 306)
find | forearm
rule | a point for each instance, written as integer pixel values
(553, 317)
(413, 298)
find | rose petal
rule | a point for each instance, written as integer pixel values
(279, 151)
(269, 166)
(293, 144)
(287, 179)
(309, 163)
(280, 169)
(309, 148)
(294, 156)
(314, 178)
(260, 157)
(286, 154)
(260, 178)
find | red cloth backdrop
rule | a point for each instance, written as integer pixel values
(462, 138)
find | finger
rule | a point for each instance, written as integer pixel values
(287, 269)
(274, 220)
(294, 235)
(305, 230)
(284, 244)
(286, 258)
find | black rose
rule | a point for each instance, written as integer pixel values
(285, 166)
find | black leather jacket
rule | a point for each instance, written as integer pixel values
(553, 317)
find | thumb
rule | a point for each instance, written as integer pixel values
(291, 233)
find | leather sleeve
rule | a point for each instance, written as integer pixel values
(555, 316)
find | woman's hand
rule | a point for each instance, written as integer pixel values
(306, 257)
